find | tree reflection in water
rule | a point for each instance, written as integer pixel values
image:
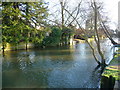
(52, 67)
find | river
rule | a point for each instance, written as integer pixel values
(55, 67)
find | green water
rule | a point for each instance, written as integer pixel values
(55, 67)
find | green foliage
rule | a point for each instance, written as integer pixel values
(67, 31)
(19, 21)
(38, 38)
(58, 36)
(54, 37)
(66, 35)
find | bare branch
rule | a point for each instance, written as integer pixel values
(93, 51)
(76, 13)
(106, 31)
(77, 8)
(54, 22)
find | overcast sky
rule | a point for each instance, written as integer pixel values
(111, 7)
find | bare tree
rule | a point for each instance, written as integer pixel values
(95, 9)
(78, 15)
(61, 17)
(86, 37)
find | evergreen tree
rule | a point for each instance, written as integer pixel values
(20, 19)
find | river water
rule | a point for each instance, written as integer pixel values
(56, 67)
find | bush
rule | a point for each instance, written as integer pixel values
(54, 37)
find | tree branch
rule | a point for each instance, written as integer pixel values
(93, 51)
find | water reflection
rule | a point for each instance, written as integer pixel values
(53, 68)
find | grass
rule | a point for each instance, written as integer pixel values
(114, 72)
(114, 67)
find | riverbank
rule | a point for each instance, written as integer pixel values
(23, 46)
(114, 70)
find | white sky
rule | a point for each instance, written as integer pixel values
(111, 7)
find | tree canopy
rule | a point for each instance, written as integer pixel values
(20, 19)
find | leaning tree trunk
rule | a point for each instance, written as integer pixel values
(96, 37)
(86, 34)
(108, 34)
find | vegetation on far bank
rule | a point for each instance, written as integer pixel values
(27, 22)
(32, 22)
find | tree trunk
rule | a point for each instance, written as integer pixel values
(3, 50)
(26, 45)
(108, 34)
(97, 38)
(62, 13)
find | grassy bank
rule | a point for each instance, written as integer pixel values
(114, 68)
